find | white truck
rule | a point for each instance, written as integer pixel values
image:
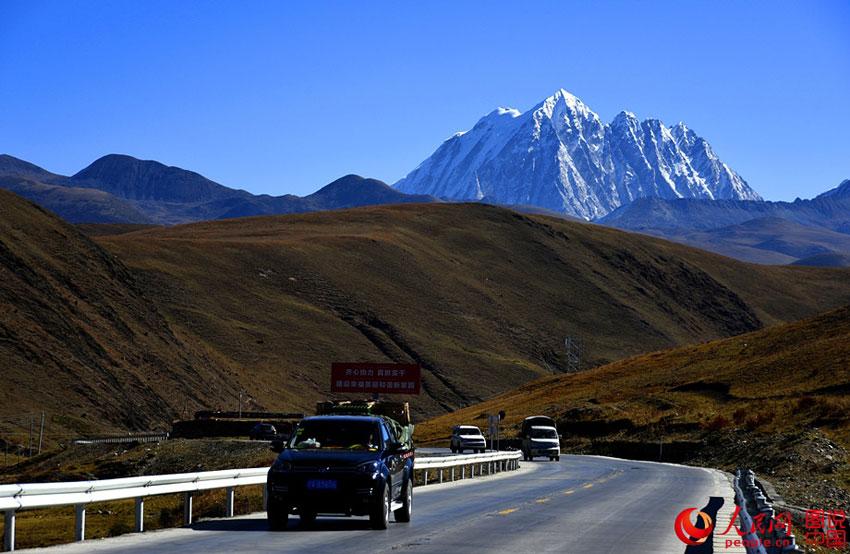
(540, 438)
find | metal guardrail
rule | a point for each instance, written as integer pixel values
(746, 519)
(81, 493)
(492, 462)
(124, 439)
(770, 538)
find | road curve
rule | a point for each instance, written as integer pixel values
(580, 504)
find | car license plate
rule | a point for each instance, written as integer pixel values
(322, 484)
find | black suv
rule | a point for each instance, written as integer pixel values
(263, 431)
(342, 464)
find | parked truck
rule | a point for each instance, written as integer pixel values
(540, 438)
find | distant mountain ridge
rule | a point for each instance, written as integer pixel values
(122, 189)
(150, 181)
(830, 209)
(560, 156)
(813, 231)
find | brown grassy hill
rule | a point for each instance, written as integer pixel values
(481, 296)
(775, 400)
(79, 340)
(781, 378)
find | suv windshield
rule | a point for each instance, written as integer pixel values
(336, 434)
(468, 431)
(543, 434)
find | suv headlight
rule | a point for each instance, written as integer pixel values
(369, 468)
(282, 466)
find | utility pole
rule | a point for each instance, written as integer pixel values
(41, 432)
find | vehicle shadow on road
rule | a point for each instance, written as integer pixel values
(714, 504)
(260, 524)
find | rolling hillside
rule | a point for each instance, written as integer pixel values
(783, 378)
(134, 328)
(79, 340)
(482, 297)
(775, 400)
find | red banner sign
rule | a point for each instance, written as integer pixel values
(376, 378)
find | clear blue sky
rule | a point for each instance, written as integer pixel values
(281, 97)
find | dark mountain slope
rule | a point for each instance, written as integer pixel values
(79, 339)
(147, 180)
(763, 232)
(354, 191)
(73, 204)
(482, 297)
(768, 240)
(122, 189)
(825, 260)
(11, 166)
(57, 194)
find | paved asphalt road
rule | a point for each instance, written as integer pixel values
(582, 504)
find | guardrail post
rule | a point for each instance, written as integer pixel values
(228, 504)
(463, 472)
(140, 514)
(453, 473)
(187, 508)
(80, 522)
(441, 475)
(9, 530)
(426, 476)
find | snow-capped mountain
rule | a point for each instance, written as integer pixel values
(561, 156)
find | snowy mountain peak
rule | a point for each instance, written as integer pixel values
(567, 99)
(512, 112)
(624, 116)
(560, 156)
(564, 105)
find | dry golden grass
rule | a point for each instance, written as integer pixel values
(782, 378)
